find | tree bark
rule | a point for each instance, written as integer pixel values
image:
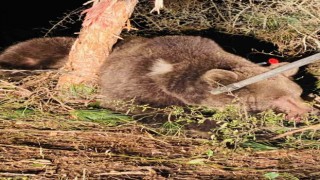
(100, 31)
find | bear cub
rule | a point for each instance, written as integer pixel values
(168, 70)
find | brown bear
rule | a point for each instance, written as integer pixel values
(37, 53)
(168, 70)
(182, 70)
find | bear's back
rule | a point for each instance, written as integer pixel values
(132, 70)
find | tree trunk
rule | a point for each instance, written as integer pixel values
(102, 26)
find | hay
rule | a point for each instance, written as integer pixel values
(292, 25)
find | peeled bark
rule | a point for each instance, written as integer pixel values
(100, 31)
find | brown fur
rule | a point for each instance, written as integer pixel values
(181, 70)
(38, 53)
(169, 70)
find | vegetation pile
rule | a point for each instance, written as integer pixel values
(291, 25)
(53, 134)
(233, 125)
(67, 135)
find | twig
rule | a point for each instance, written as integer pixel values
(23, 70)
(16, 174)
(238, 15)
(313, 127)
(63, 20)
(122, 173)
(22, 90)
(217, 10)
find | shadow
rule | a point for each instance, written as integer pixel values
(245, 46)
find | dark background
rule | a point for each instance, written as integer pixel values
(26, 19)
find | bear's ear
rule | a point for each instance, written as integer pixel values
(288, 73)
(216, 77)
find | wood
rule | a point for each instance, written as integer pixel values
(95, 43)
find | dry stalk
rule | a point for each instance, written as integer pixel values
(313, 127)
(37, 92)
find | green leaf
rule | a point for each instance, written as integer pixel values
(271, 175)
(102, 116)
(209, 153)
(258, 146)
(196, 161)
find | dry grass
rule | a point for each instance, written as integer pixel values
(38, 92)
(293, 25)
(46, 135)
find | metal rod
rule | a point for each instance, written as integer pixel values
(266, 75)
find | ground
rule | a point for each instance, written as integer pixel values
(66, 149)
(41, 137)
